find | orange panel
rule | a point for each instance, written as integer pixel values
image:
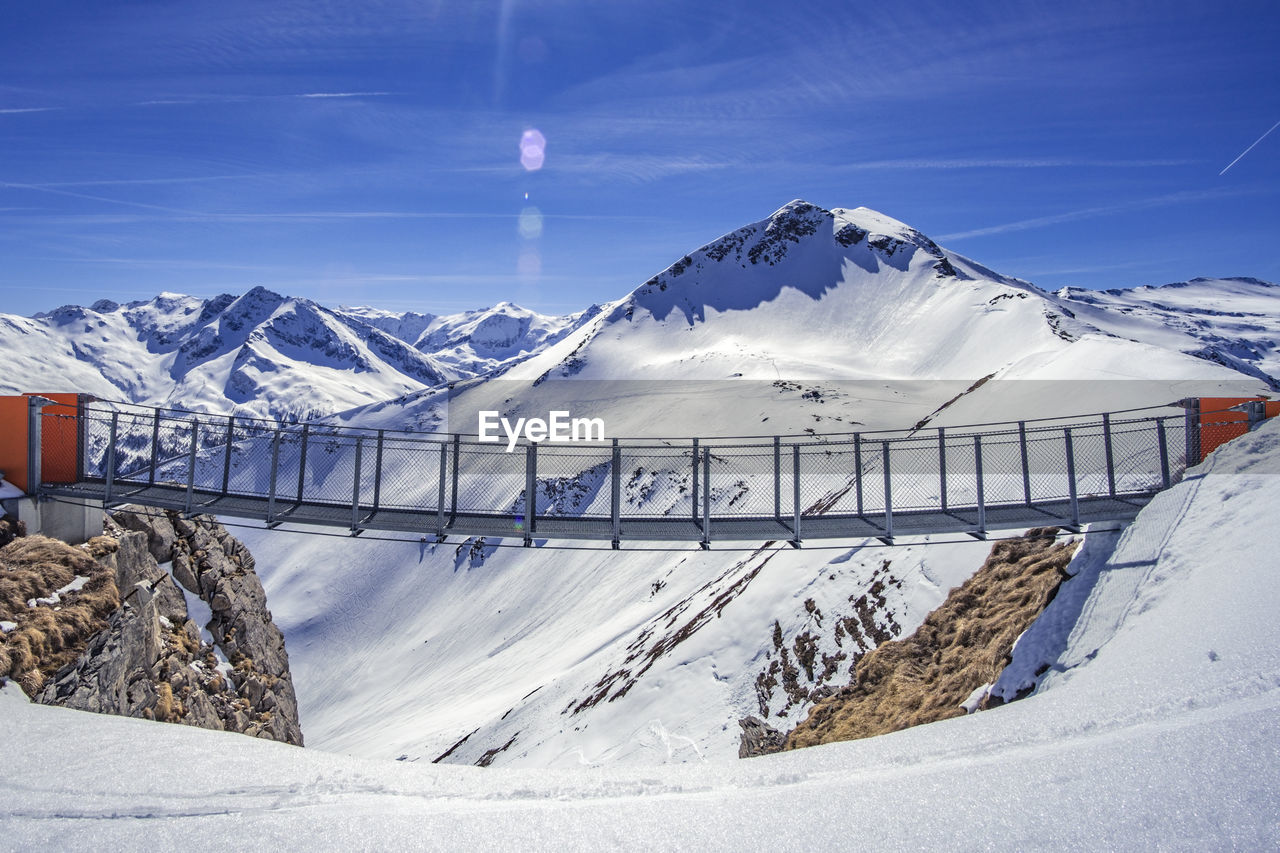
(1217, 427)
(13, 440)
(59, 439)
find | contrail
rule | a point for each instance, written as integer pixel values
(1250, 148)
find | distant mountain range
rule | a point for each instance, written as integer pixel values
(261, 353)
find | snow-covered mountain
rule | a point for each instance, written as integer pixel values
(849, 319)
(1229, 321)
(260, 353)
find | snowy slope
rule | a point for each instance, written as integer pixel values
(1157, 728)
(1234, 322)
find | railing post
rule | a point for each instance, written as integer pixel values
(273, 479)
(302, 460)
(1192, 421)
(1026, 464)
(615, 500)
(942, 465)
(1111, 463)
(355, 487)
(857, 467)
(795, 497)
(191, 463)
(34, 431)
(777, 478)
(226, 458)
(82, 434)
(155, 446)
(377, 473)
(444, 473)
(530, 491)
(697, 460)
(706, 498)
(888, 492)
(1164, 453)
(982, 498)
(453, 492)
(1071, 479)
(111, 458)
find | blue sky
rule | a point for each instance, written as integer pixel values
(370, 153)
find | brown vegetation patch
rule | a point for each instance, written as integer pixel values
(961, 646)
(51, 636)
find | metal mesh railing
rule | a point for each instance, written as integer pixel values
(197, 461)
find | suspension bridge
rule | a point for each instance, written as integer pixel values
(953, 480)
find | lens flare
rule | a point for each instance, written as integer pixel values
(529, 264)
(533, 150)
(530, 223)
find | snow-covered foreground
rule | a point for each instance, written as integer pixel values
(1157, 727)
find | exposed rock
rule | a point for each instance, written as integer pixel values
(151, 522)
(150, 662)
(221, 571)
(11, 528)
(759, 738)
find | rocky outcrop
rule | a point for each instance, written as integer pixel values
(151, 660)
(759, 738)
(222, 571)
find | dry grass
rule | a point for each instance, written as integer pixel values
(961, 646)
(46, 638)
(168, 709)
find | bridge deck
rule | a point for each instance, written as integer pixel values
(428, 521)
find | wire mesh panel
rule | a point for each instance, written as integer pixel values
(914, 472)
(410, 472)
(572, 481)
(1002, 482)
(489, 479)
(740, 479)
(330, 465)
(658, 481)
(1136, 451)
(828, 478)
(1047, 464)
(59, 446)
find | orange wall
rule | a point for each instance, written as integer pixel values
(59, 441)
(1218, 427)
(13, 440)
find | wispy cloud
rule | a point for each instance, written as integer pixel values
(55, 191)
(197, 179)
(1010, 163)
(16, 110)
(344, 94)
(1103, 210)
